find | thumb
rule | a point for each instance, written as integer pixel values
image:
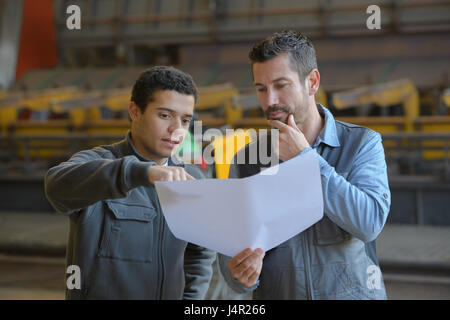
(260, 252)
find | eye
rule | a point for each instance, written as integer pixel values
(186, 121)
(281, 85)
(164, 116)
(260, 89)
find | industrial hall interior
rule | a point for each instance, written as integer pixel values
(80, 190)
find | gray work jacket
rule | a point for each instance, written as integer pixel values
(336, 257)
(118, 235)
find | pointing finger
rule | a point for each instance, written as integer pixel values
(189, 177)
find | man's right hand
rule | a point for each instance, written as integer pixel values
(246, 266)
(168, 173)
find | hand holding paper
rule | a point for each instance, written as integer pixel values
(246, 266)
(261, 211)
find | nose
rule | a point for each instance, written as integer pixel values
(270, 98)
(175, 124)
(176, 129)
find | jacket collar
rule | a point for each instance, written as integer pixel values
(328, 135)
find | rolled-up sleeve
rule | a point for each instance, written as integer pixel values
(359, 203)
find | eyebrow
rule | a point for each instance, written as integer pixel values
(275, 80)
(173, 111)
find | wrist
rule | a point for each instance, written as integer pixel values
(138, 174)
(305, 150)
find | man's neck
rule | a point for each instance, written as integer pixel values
(313, 125)
(161, 161)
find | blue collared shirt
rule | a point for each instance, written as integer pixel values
(331, 259)
(358, 199)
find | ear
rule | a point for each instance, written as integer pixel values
(133, 111)
(313, 81)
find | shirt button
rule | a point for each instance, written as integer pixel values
(385, 195)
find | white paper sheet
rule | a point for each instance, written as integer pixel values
(261, 211)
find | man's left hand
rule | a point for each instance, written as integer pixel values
(291, 139)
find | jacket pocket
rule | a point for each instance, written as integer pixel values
(326, 233)
(128, 231)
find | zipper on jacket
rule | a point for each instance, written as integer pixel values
(307, 264)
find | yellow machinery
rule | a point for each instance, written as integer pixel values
(435, 125)
(85, 117)
(446, 97)
(8, 110)
(34, 100)
(80, 108)
(228, 107)
(85, 112)
(387, 94)
(384, 95)
(83, 108)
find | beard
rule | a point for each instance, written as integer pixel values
(282, 118)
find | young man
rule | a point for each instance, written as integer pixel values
(118, 235)
(336, 257)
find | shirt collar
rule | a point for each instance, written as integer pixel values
(328, 134)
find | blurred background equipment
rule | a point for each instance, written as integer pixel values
(64, 90)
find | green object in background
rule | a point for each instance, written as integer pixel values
(189, 149)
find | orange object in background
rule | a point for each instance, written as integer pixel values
(37, 48)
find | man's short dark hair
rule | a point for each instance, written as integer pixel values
(299, 48)
(161, 78)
